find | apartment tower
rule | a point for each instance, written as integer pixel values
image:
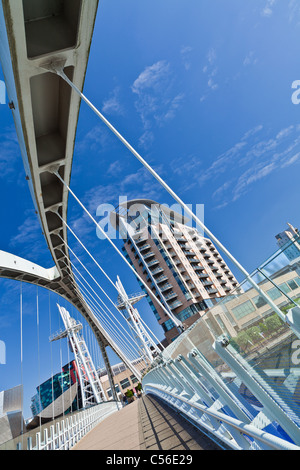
(183, 269)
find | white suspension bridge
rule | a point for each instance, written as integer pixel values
(44, 50)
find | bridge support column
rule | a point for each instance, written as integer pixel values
(108, 369)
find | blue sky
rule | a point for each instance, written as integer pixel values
(203, 91)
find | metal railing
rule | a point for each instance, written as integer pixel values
(64, 434)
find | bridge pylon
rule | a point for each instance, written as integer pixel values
(90, 385)
(125, 303)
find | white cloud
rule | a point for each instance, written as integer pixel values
(292, 160)
(250, 59)
(152, 77)
(157, 100)
(112, 105)
(185, 52)
(259, 159)
(294, 11)
(210, 70)
(268, 9)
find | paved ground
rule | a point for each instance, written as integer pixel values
(146, 424)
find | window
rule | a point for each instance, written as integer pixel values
(292, 284)
(168, 325)
(133, 379)
(274, 293)
(108, 391)
(186, 313)
(285, 288)
(125, 383)
(297, 279)
(259, 301)
(243, 309)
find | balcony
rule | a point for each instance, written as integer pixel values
(175, 304)
(168, 246)
(198, 268)
(202, 275)
(188, 252)
(157, 270)
(149, 255)
(161, 279)
(191, 285)
(172, 253)
(145, 247)
(171, 295)
(201, 247)
(166, 287)
(153, 262)
(182, 270)
(141, 240)
(181, 240)
(212, 290)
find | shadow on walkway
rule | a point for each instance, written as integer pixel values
(161, 428)
(146, 424)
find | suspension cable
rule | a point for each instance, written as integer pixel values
(106, 275)
(106, 322)
(91, 309)
(72, 264)
(21, 354)
(169, 314)
(58, 69)
(98, 298)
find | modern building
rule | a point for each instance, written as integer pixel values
(289, 242)
(123, 378)
(182, 268)
(11, 414)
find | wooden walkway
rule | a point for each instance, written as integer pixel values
(145, 424)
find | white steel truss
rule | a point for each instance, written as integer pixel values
(148, 348)
(90, 385)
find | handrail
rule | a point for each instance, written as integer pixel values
(265, 438)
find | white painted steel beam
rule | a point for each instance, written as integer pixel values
(45, 113)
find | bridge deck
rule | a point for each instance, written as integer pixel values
(146, 424)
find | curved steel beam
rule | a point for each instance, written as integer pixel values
(46, 113)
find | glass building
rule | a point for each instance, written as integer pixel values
(53, 388)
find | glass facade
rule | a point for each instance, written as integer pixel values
(243, 309)
(54, 387)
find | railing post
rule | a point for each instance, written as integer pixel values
(210, 374)
(29, 443)
(58, 436)
(46, 438)
(52, 438)
(186, 370)
(38, 441)
(176, 383)
(181, 378)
